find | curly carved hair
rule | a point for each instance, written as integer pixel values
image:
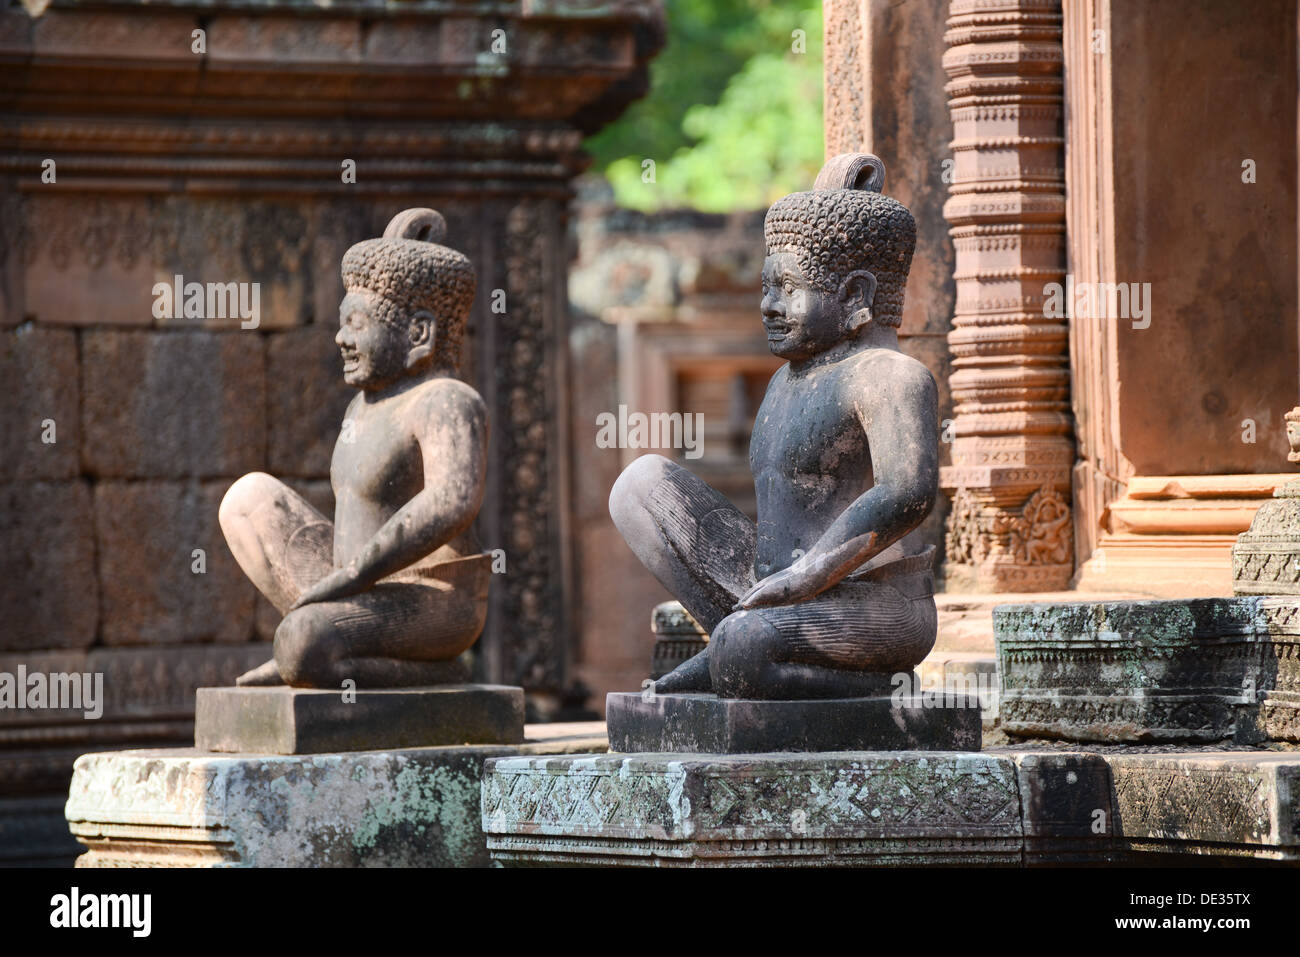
(408, 270)
(834, 231)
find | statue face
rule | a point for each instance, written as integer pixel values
(801, 320)
(374, 353)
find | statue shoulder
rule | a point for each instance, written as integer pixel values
(444, 395)
(892, 376)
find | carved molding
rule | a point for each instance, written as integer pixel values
(1012, 455)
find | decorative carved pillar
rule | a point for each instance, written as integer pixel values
(1012, 450)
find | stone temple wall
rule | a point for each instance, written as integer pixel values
(227, 160)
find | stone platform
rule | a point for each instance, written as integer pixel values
(1196, 670)
(998, 808)
(705, 723)
(311, 721)
(181, 807)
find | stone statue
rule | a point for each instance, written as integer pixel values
(819, 599)
(395, 588)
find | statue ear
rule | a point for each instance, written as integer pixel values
(423, 332)
(858, 294)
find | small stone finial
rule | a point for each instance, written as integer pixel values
(422, 223)
(852, 171)
(1293, 434)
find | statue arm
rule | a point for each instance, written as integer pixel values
(901, 428)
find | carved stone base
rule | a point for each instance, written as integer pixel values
(842, 809)
(1206, 669)
(183, 808)
(854, 809)
(311, 721)
(1232, 806)
(178, 807)
(1266, 557)
(703, 723)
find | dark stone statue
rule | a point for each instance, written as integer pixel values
(395, 588)
(819, 599)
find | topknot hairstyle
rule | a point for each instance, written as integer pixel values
(844, 224)
(409, 271)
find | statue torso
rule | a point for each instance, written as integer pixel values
(809, 455)
(378, 467)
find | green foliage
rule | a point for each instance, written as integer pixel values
(733, 118)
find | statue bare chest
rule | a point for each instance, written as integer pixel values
(376, 462)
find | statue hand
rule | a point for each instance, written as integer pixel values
(337, 584)
(802, 580)
(781, 588)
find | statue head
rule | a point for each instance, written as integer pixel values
(837, 259)
(406, 304)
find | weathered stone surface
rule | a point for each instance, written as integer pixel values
(1008, 807)
(39, 369)
(702, 723)
(1194, 670)
(1066, 807)
(1123, 671)
(147, 533)
(49, 593)
(179, 807)
(1266, 557)
(1229, 805)
(306, 398)
(147, 692)
(677, 636)
(1272, 706)
(135, 427)
(846, 809)
(374, 808)
(312, 721)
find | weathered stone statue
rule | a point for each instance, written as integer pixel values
(819, 599)
(395, 588)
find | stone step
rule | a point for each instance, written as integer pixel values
(1005, 807)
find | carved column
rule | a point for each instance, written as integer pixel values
(1012, 449)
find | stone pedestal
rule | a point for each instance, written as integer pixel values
(1204, 670)
(393, 808)
(704, 723)
(1005, 808)
(1266, 557)
(312, 721)
(843, 809)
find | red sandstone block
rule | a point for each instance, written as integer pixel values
(173, 404)
(39, 419)
(49, 596)
(147, 534)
